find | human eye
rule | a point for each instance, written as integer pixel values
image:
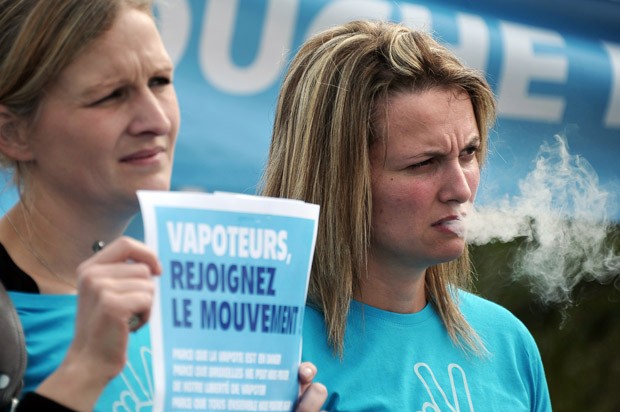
(423, 164)
(470, 151)
(158, 81)
(116, 94)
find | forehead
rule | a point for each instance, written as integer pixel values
(433, 103)
(434, 110)
(414, 124)
(131, 43)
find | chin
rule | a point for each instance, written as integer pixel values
(451, 253)
(162, 184)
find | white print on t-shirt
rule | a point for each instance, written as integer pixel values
(138, 397)
(436, 392)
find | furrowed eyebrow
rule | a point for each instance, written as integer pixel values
(473, 142)
(92, 91)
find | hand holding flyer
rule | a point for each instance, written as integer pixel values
(228, 312)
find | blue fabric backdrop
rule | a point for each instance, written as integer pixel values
(552, 72)
(555, 68)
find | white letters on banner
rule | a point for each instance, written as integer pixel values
(523, 64)
(174, 20)
(612, 118)
(418, 17)
(474, 41)
(523, 61)
(345, 10)
(216, 45)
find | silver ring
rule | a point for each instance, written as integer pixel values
(134, 322)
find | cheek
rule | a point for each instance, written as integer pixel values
(53, 139)
(393, 200)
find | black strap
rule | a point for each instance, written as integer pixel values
(33, 402)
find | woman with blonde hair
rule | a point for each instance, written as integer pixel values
(386, 130)
(88, 116)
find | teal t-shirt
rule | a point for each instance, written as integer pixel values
(407, 362)
(49, 322)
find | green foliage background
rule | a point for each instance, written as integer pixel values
(579, 341)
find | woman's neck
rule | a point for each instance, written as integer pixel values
(395, 289)
(49, 244)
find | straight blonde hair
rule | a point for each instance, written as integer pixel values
(326, 119)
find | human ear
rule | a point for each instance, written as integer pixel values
(13, 142)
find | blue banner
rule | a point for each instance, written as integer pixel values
(550, 78)
(555, 72)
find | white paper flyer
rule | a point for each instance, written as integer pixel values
(227, 319)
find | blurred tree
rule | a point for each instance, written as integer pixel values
(579, 341)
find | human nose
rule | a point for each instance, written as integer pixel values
(457, 184)
(150, 116)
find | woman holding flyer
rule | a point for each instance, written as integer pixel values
(88, 115)
(386, 130)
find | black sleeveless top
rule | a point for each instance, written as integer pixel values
(12, 277)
